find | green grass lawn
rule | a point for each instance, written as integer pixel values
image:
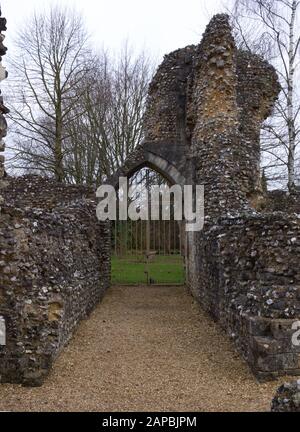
(130, 270)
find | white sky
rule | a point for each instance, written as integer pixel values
(156, 26)
(159, 26)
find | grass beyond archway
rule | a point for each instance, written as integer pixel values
(134, 270)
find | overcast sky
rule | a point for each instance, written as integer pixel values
(159, 26)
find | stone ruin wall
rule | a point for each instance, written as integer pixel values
(55, 268)
(224, 122)
(243, 268)
(245, 273)
(202, 96)
(287, 398)
(165, 118)
(206, 104)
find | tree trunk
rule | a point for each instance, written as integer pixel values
(290, 102)
(59, 169)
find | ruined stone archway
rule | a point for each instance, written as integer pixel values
(172, 240)
(142, 158)
(205, 109)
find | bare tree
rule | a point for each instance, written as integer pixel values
(110, 124)
(49, 62)
(271, 28)
(131, 77)
(87, 145)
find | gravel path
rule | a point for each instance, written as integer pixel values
(145, 349)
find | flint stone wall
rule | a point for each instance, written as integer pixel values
(206, 107)
(205, 110)
(245, 272)
(55, 268)
(280, 201)
(287, 398)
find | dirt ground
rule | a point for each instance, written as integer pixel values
(145, 349)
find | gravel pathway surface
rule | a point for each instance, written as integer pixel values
(145, 349)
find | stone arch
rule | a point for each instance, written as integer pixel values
(141, 159)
